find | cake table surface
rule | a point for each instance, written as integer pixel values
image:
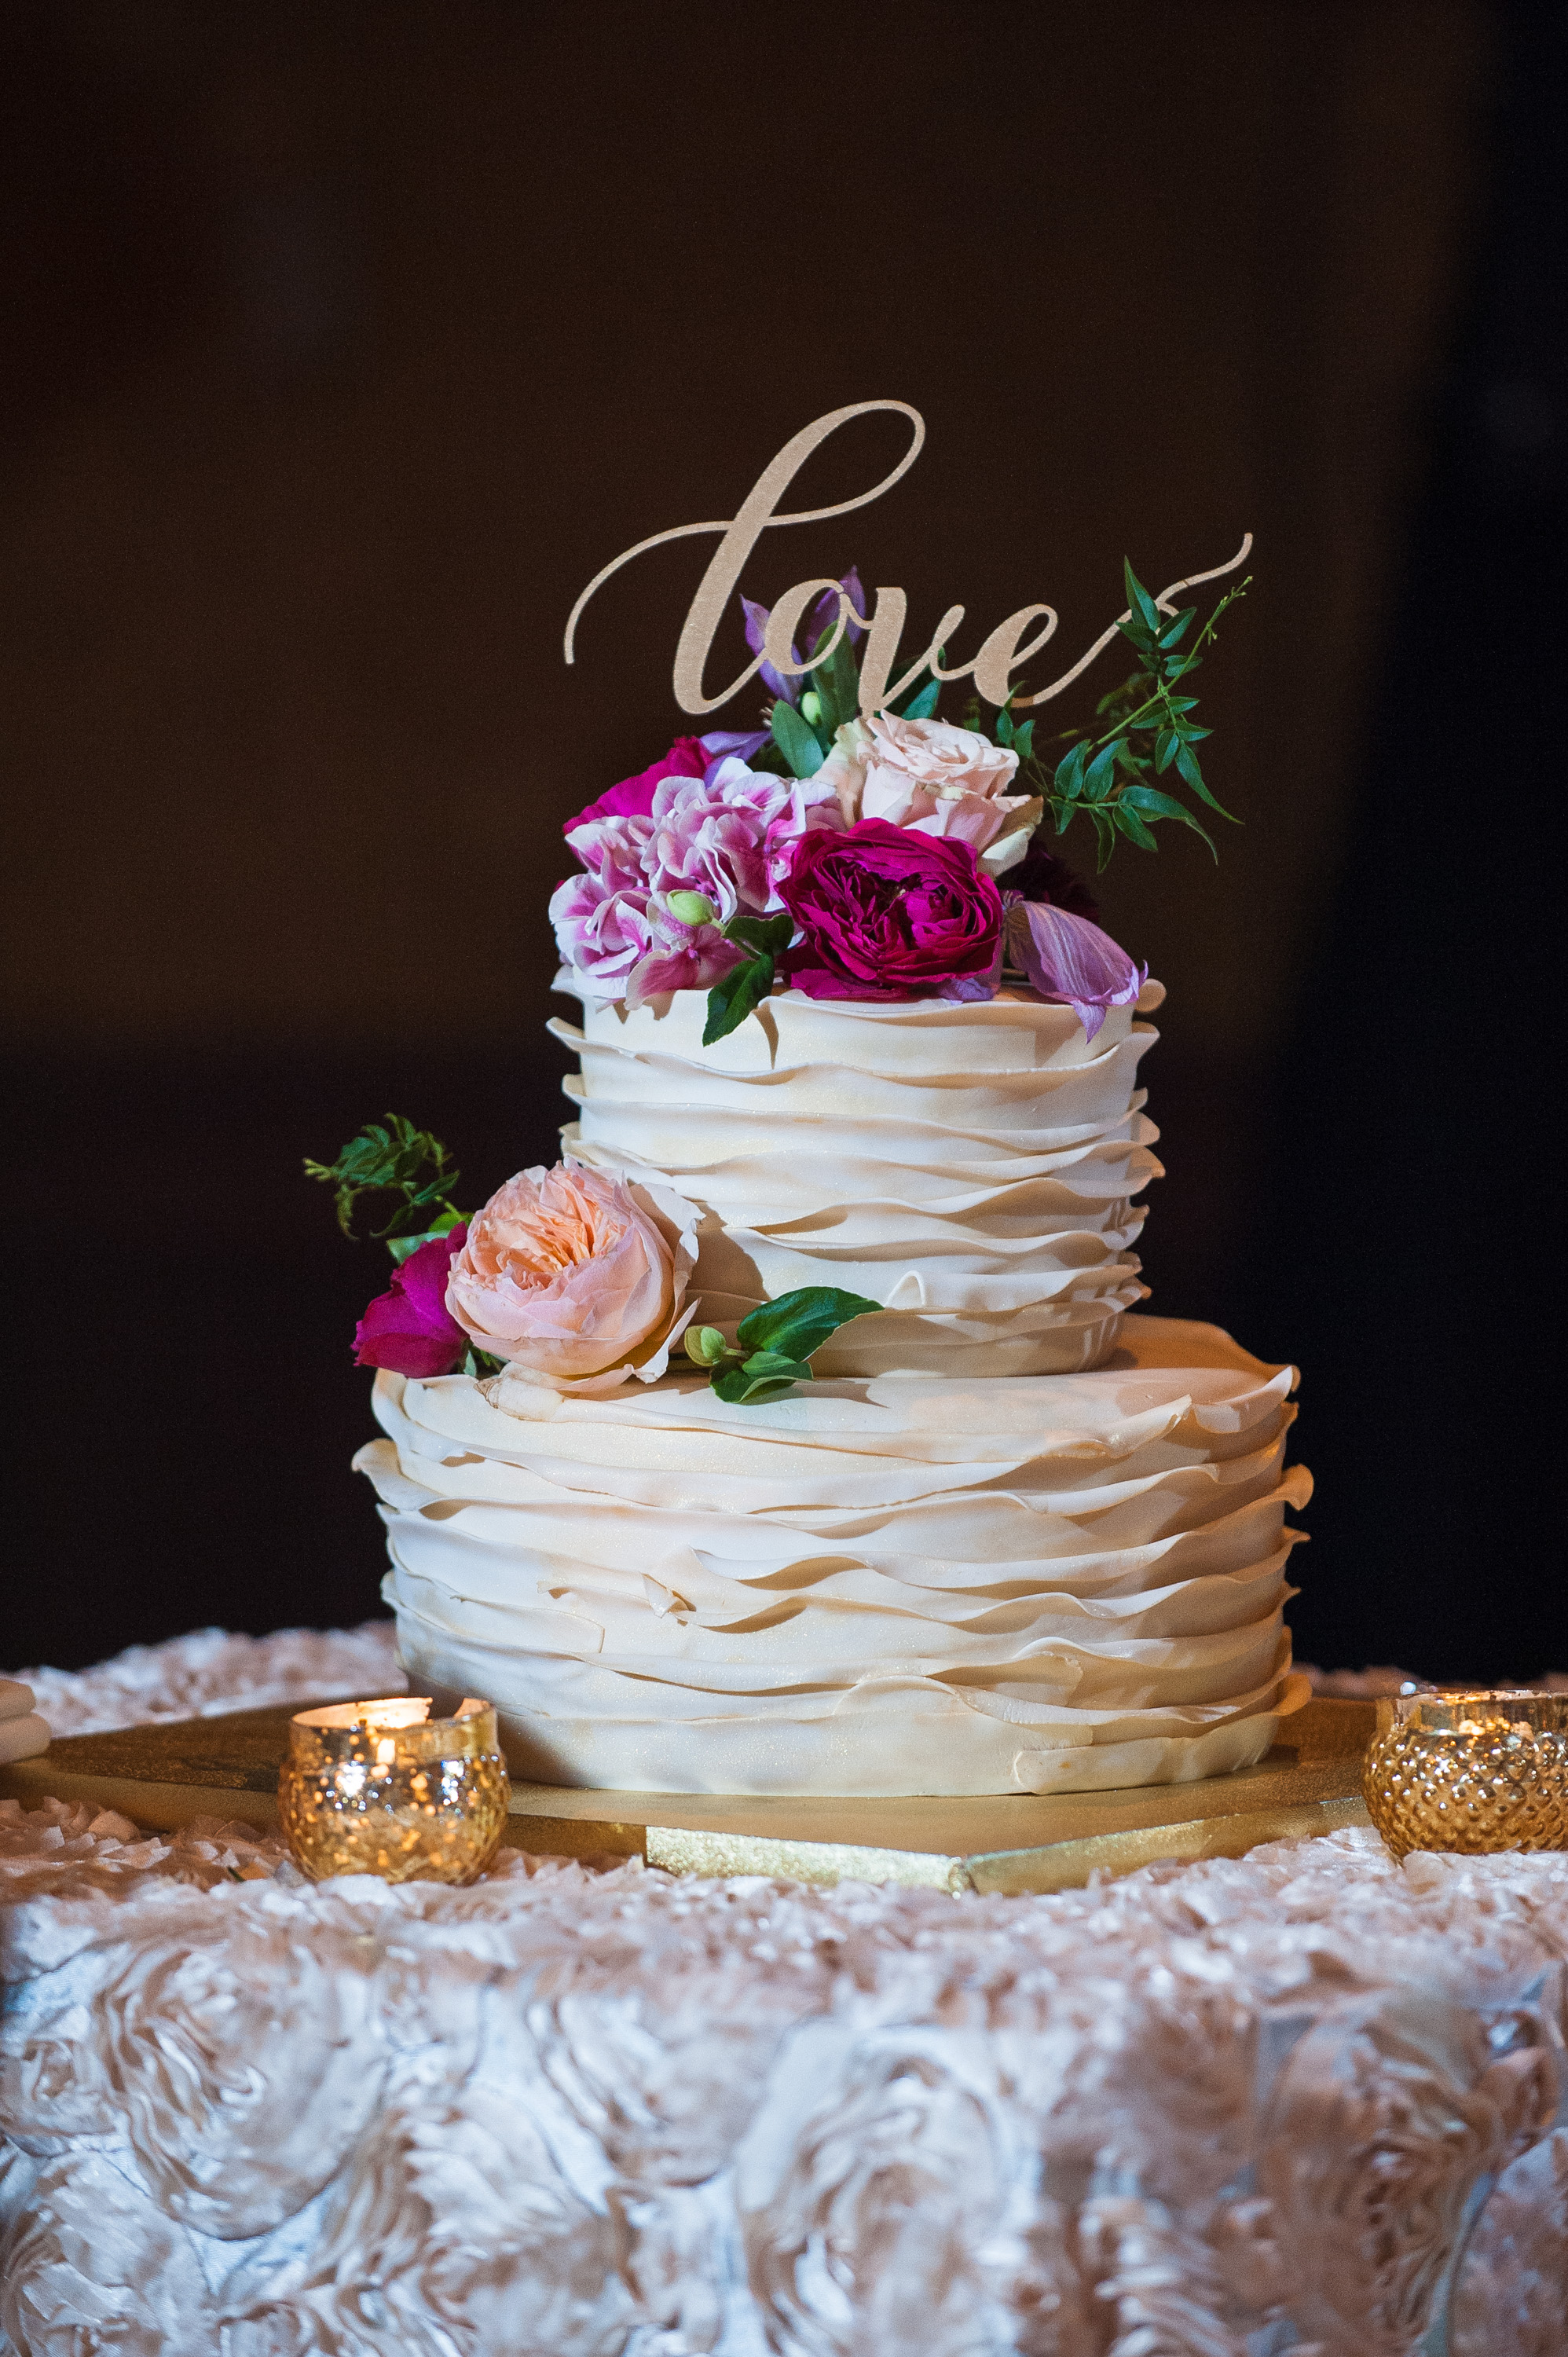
(165, 1776)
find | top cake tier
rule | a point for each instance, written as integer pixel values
(969, 1165)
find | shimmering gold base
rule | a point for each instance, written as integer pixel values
(1470, 1770)
(229, 1767)
(380, 1788)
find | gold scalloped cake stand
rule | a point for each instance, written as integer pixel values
(162, 1777)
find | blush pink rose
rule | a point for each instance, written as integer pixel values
(933, 779)
(576, 1278)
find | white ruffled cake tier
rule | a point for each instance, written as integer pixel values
(893, 1585)
(970, 1166)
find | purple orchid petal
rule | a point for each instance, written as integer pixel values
(1072, 962)
(856, 595)
(719, 744)
(756, 631)
(825, 612)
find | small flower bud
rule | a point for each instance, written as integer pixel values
(691, 907)
(811, 706)
(704, 1345)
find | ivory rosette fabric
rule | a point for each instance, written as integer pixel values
(1307, 2101)
(1303, 2100)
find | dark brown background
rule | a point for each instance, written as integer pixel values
(347, 341)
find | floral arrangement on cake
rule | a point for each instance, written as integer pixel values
(876, 857)
(568, 1279)
(884, 857)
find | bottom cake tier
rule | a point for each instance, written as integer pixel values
(909, 1584)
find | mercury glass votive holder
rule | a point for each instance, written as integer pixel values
(382, 1788)
(1463, 1769)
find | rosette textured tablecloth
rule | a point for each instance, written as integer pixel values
(1304, 2102)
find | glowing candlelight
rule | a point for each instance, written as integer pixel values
(382, 1788)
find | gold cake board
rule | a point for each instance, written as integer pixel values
(162, 1777)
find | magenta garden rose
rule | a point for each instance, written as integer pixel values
(888, 912)
(574, 1279)
(410, 1329)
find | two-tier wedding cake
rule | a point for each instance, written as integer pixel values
(798, 1432)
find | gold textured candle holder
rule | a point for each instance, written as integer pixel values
(382, 1788)
(1461, 1768)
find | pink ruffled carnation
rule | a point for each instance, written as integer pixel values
(728, 836)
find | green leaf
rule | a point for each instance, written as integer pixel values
(1133, 826)
(1187, 762)
(1098, 777)
(1107, 834)
(732, 1000)
(1024, 740)
(1149, 803)
(1143, 609)
(767, 935)
(800, 745)
(776, 1364)
(1169, 638)
(799, 1323)
(921, 706)
(742, 1390)
(1003, 727)
(1069, 779)
(399, 1247)
(1165, 747)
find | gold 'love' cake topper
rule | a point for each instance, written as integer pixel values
(1003, 651)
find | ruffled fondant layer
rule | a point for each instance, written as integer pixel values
(971, 1166)
(878, 1585)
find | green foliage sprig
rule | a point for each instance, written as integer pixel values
(1149, 731)
(399, 1162)
(776, 1342)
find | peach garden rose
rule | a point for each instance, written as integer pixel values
(574, 1279)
